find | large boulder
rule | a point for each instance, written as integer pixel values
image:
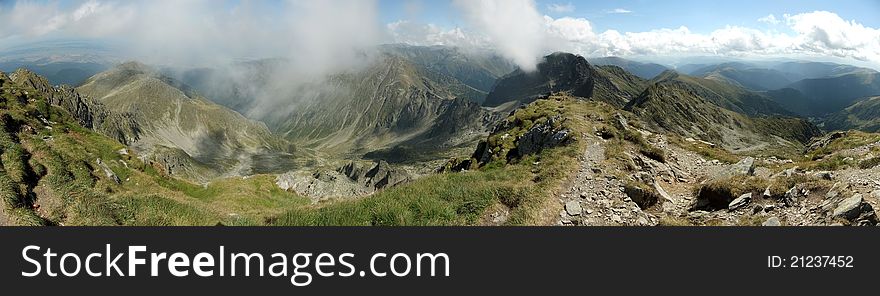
(745, 167)
(740, 202)
(855, 209)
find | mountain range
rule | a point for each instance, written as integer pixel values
(137, 139)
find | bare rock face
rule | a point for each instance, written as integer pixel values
(856, 210)
(351, 180)
(379, 176)
(542, 136)
(320, 184)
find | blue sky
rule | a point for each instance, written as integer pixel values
(701, 16)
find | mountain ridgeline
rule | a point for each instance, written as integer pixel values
(391, 103)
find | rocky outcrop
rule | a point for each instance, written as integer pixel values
(542, 136)
(856, 210)
(824, 141)
(350, 180)
(378, 176)
(321, 184)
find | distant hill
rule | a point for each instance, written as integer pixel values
(725, 95)
(863, 115)
(192, 136)
(679, 105)
(800, 70)
(57, 73)
(643, 70)
(830, 95)
(745, 76)
(477, 70)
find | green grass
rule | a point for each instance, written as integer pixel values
(443, 199)
(851, 140)
(869, 163)
(159, 211)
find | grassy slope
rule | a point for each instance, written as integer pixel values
(50, 176)
(463, 198)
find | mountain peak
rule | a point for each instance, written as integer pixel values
(667, 75)
(558, 72)
(27, 78)
(135, 66)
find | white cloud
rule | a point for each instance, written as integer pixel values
(323, 36)
(560, 8)
(770, 19)
(827, 33)
(618, 11)
(515, 28)
(816, 34)
(412, 33)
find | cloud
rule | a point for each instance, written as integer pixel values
(90, 18)
(618, 11)
(816, 34)
(827, 33)
(515, 28)
(560, 8)
(412, 33)
(770, 19)
(316, 34)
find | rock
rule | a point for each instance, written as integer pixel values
(824, 141)
(746, 167)
(834, 191)
(381, 175)
(665, 196)
(542, 136)
(790, 196)
(876, 194)
(789, 172)
(757, 209)
(826, 175)
(107, 171)
(740, 201)
(773, 221)
(573, 208)
(767, 193)
(643, 222)
(769, 208)
(855, 209)
(616, 219)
